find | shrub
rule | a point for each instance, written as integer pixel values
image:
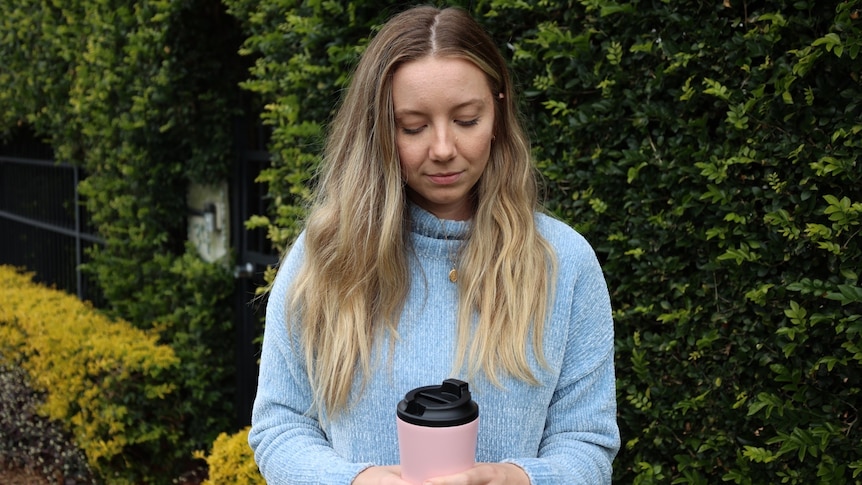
(31, 441)
(232, 461)
(110, 383)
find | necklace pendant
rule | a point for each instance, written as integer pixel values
(453, 275)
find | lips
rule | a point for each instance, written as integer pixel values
(445, 178)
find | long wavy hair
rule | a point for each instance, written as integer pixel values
(353, 283)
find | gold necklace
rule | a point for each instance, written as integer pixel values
(453, 273)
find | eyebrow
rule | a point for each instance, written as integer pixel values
(470, 102)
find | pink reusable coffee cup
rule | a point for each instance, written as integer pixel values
(437, 431)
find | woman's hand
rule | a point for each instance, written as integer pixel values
(485, 474)
(380, 475)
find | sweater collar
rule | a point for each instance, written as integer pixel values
(424, 223)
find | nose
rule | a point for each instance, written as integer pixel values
(443, 145)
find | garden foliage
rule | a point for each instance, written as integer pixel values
(710, 152)
(142, 96)
(31, 441)
(231, 460)
(110, 383)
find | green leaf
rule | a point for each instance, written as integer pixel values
(832, 42)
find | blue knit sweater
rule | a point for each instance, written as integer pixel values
(563, 431)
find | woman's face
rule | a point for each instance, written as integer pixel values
(444, 116)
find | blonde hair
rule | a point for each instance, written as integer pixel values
(353, 282)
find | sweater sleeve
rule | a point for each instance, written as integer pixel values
(581, 436)
(290, 446)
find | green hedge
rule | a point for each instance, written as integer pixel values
(112, 385)
(142, 95)
(709, 151)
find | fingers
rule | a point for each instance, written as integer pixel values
(485, 474)
(380, 475)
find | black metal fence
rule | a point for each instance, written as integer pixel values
(43, 225)
(44, 229)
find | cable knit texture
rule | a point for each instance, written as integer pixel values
(563, 431)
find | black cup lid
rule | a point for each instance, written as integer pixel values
(448, 404)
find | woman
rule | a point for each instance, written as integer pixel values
(424, 258)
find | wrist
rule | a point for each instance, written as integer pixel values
(515, 475)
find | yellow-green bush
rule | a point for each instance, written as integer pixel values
(107, 380)
(232, 461)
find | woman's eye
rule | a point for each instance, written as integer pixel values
(411, 131)
(472, 122)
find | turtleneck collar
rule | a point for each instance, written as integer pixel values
(424, 223)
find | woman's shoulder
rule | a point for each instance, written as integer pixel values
(566, 241)
(289, 265)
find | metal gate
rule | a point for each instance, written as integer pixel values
(43, 225)
(44, 229)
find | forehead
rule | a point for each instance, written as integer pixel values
(435, 82)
